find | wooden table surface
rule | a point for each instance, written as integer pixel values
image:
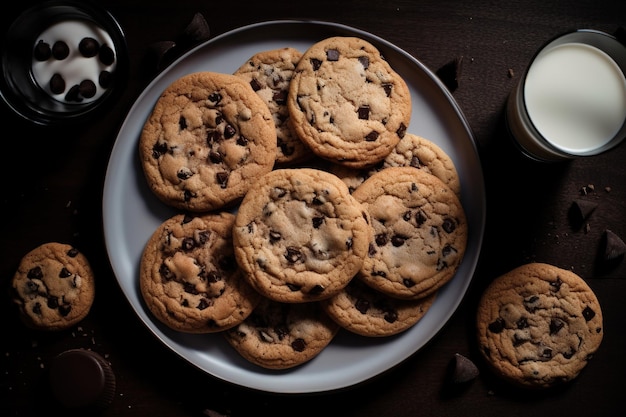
(53, 183)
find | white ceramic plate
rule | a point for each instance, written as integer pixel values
(131, 213)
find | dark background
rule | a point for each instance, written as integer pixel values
(52, 191)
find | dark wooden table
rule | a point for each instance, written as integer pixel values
(52, 191)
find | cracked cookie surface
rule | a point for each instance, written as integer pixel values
(208, 136)
(347, 103)
(282, 335)
(53, 287)
(538, 325)
(299, 235)
(189, 277)
(420, 232)
(269, 74)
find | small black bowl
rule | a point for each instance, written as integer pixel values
(19, 87)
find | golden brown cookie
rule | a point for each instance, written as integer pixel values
(299, 235)
(420, 232)
(282, 335)
(418, 152)
(208, 136)
(538, 325)
(347, 103)
(269, 74)
(189, 278)
(368, 312)
(53, 287)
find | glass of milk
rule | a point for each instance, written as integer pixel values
(571, 101)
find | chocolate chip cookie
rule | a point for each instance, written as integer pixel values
(368, 312)
(420, 232)
(299, 235)
(419, 152)
(347, 103)
(269, 74)
(282, 335)
(189, 278)
(53, 287)
(538, 325)
(208, 136)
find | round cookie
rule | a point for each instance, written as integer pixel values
(189, 278)
(299, 235)
(418, 152)
(282, 335)
(53, 287)
(538, 325)
(347, 103)
(420, 232)
(367, 312)
(208, 136)
(414, 151)
(269, 74)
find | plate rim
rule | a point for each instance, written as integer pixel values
(478, 234)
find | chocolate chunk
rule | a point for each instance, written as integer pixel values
(60, 50)
(362, 305)
(372, 136)
(198, 29)
(448, 225)
(87, 88)
(105, 79)
(64, 273)
(294, 255)
(280, 97)
(332, 55)
(464, 369)
(254, 83)
(388, 89)
(365, 61)
(398, 240)
(73, 94)
(381, 239)
(42, 51)
(106, 55)
(588, 313)
(159, 51)
(222, 179)
(580, 210)
(556, 324)
(401, 130)
(497, 326)
(364, 112)
(57, 84)
(88, 47)
(316, 64)
(614, 246)
(317, 222)
(449, 74)
(298, 345)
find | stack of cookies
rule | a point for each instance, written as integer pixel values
(306, 204)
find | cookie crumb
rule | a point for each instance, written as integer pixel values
(511, 73)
